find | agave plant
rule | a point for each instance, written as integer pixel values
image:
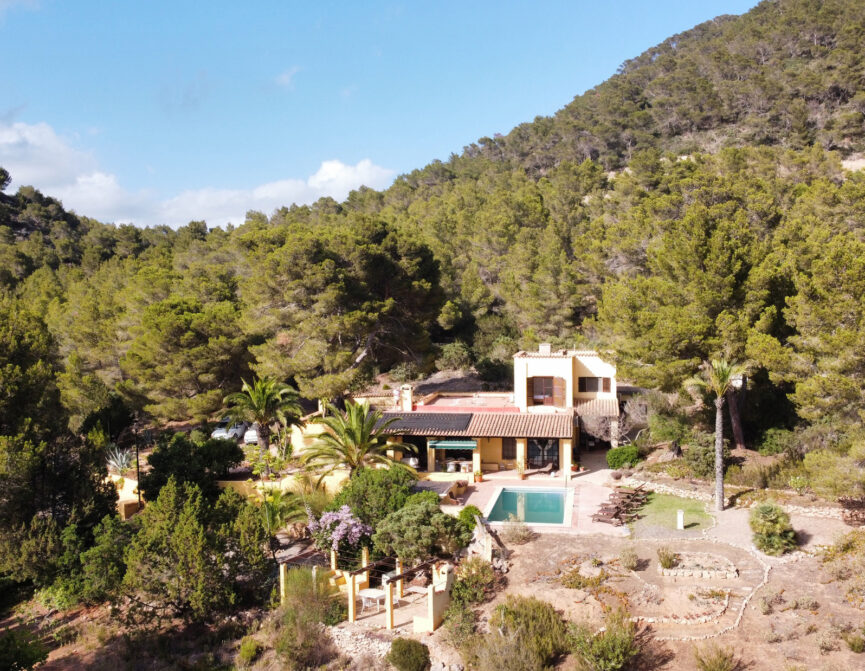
(118, 460)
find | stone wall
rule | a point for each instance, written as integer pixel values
(662, 488)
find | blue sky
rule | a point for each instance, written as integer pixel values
(161, 112)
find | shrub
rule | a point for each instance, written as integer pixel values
(777, 441)
(855, 642)
(317, 600)
(799, 483)
(459, 623)
(417, 532)
(667, 557)
(405, 372)
(339, 530)
(374, 493)
(515, 531)
(610, 650)
(303, 643)
(186, 461)
(772, 531)
(619, 456)
(715, 658)
(832, 474)
(628, 559)
(454, 356)
(498, 651)
(20, 650)
(700, 456)
(467, 516)
(475, 580)
(677, 470)
(535, 623)
(422, 497)
(573, 579)
(249, 651)
(407, 654)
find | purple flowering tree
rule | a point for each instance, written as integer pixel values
(339, 530)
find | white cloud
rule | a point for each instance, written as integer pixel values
(286, 79)
(35, 154)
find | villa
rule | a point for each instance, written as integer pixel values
(540, 426)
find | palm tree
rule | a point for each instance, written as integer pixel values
(264, 402)
(718, 378)
(279, 508)
(357, 438)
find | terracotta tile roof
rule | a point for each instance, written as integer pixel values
(523, 425)
(597, 407)
(483, 424)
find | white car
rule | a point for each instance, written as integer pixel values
(228, 430)
(251, 435)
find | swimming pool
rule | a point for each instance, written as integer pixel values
(534, 506)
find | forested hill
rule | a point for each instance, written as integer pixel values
(751, 251)
(787, 73)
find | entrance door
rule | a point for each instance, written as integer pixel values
(543, 451)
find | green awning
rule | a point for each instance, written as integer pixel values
(463, 444)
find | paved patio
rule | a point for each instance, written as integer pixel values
(591, 489)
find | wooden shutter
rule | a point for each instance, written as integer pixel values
(606, 384)
(559, 392)
(582, 385)
(530, 391)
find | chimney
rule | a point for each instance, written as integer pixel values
(545, 348)
(406, 398)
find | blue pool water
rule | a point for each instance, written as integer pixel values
(539, 506)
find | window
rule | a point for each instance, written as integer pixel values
(509, 448)
(595, 384)
(588, 384)
(542, 391)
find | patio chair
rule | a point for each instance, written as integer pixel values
(607, 519)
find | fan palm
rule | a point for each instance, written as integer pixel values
(263, 402)
(717, 378)
(279, 508)
(357, 438)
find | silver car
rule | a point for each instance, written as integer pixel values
(229, 430)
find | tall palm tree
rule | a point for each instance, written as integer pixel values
(718, 378)
(356, 438)
(263, 402)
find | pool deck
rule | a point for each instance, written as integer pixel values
(591, 489)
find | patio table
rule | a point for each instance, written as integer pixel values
(370, 595)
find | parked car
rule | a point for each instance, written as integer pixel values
(251, 435)
(229, 430)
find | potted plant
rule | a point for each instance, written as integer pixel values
(479, 476)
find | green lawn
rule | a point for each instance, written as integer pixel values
(660, 510)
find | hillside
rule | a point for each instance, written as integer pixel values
(787, 73)
(525, 238)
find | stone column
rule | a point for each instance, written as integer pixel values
(565, 453)
(352, 606)
(333, 560)
(388, 605)
(399, 583)
(521, 453)
(283, 576)
(476, 459)
(614, 432)
(430, 458)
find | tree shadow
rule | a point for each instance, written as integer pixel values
(734, 498)
(643, 564)
(654, 654)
